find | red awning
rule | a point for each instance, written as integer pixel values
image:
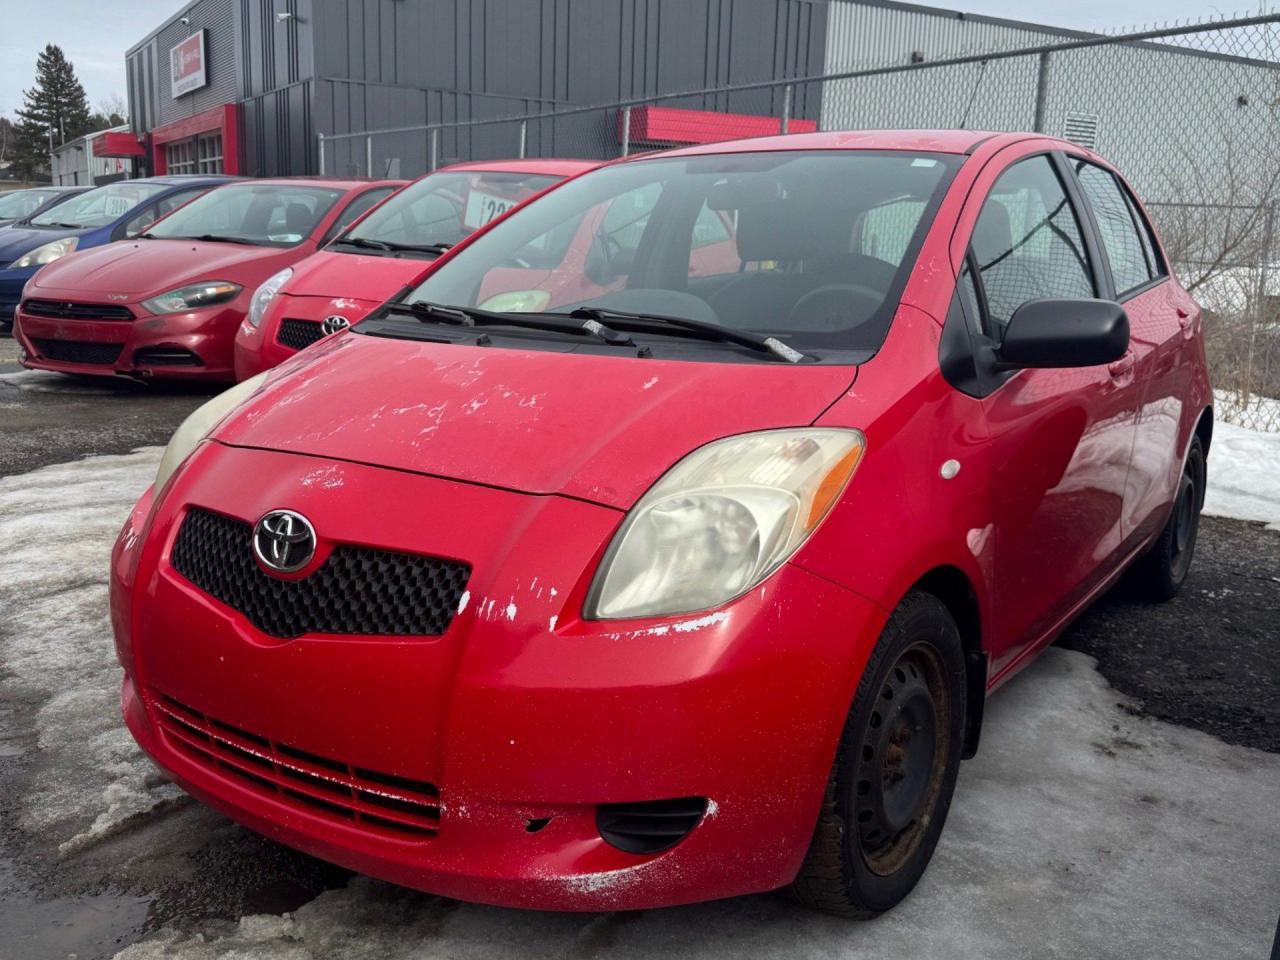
(675, 125)
(119, 143)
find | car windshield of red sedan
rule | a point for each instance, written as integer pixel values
(265, 214)
(807, 248)
(97, 208)
(441, 209)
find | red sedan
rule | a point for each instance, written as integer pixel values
(695, 587)
(365, 266)
(167, 303)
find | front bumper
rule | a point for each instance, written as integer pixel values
(270, 344)
(185, 346)
(520, 711)
(11, 284)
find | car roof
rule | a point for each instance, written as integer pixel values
(337, 183)
(183, 179)
(924, 141)
(551, 166)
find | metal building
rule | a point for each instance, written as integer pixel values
(77, 161)
(257, 86)
(244, 86)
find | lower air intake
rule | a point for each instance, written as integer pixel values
(650, 826)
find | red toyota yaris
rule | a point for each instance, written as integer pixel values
(694, 587)
(167, 303)
(365, 266)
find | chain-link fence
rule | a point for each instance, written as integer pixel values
(1190, 113)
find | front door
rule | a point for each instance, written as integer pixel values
(1061, 438)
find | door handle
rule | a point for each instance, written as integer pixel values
(1122, 367)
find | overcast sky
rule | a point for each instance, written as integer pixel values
(95, 33)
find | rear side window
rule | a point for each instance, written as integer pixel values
(1132, 260)
(1028, 243)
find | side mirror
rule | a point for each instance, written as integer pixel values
(1064, 333)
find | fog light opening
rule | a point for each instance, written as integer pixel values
(649, 826)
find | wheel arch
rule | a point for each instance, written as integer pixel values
(1204, 428)
(953, 587)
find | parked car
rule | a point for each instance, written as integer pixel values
(391, 246)
(168, 302)
(18, 205)
(114, 212)
(696, 587)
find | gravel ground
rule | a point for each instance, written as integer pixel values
(98, 853)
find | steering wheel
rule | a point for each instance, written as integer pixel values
(828, 307)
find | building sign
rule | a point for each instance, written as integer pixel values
(186, 65)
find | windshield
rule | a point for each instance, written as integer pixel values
(276, 215)
(445, 207)
(812, 248)
(22, 203)
(97, 208)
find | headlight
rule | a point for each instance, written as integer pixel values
(263, 296)
(200, 424)
(45, 253)
(721, 520)
(193, 297)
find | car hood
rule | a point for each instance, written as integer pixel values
(355, 275)
(15, 240)
(592, 427)
(148, 267)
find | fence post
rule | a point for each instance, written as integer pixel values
(524, 137)
(368, 155)
(1042, 91)
(626, 131)
(435, 147)
(321, 136)
(1260, 297)
(786, 109)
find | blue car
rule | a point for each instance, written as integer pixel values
(18, 205)
(119, 210)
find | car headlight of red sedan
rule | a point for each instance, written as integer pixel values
(721, 520)
(200, 424)
(193, 297)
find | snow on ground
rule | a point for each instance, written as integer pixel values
(1080, 830)
(56, 529)
(1244, 475)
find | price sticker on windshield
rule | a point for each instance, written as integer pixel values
(483, 207)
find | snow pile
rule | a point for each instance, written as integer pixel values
(56, 527)
(1244, 475)
(1080, 830)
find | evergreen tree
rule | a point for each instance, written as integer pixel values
(54, 111)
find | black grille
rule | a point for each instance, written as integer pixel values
(60, 310)
(649, 826)
(166, 357)
(296, 334)
(357, 590)
(78, 351)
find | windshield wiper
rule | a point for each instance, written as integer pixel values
(475, 317)
(391, 246)
(707, 329)
(65, 226)
(215, 238)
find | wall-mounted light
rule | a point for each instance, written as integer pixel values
(284, 16)
(185, 21)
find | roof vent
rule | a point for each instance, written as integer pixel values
(1081, 128)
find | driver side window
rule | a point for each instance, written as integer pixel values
(1028, 243)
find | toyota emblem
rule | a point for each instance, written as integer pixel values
(334, 324)
(284, 541)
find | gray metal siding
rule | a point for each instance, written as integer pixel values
(217, 18)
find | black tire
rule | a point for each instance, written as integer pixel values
(880, 821)
(1159, 574)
